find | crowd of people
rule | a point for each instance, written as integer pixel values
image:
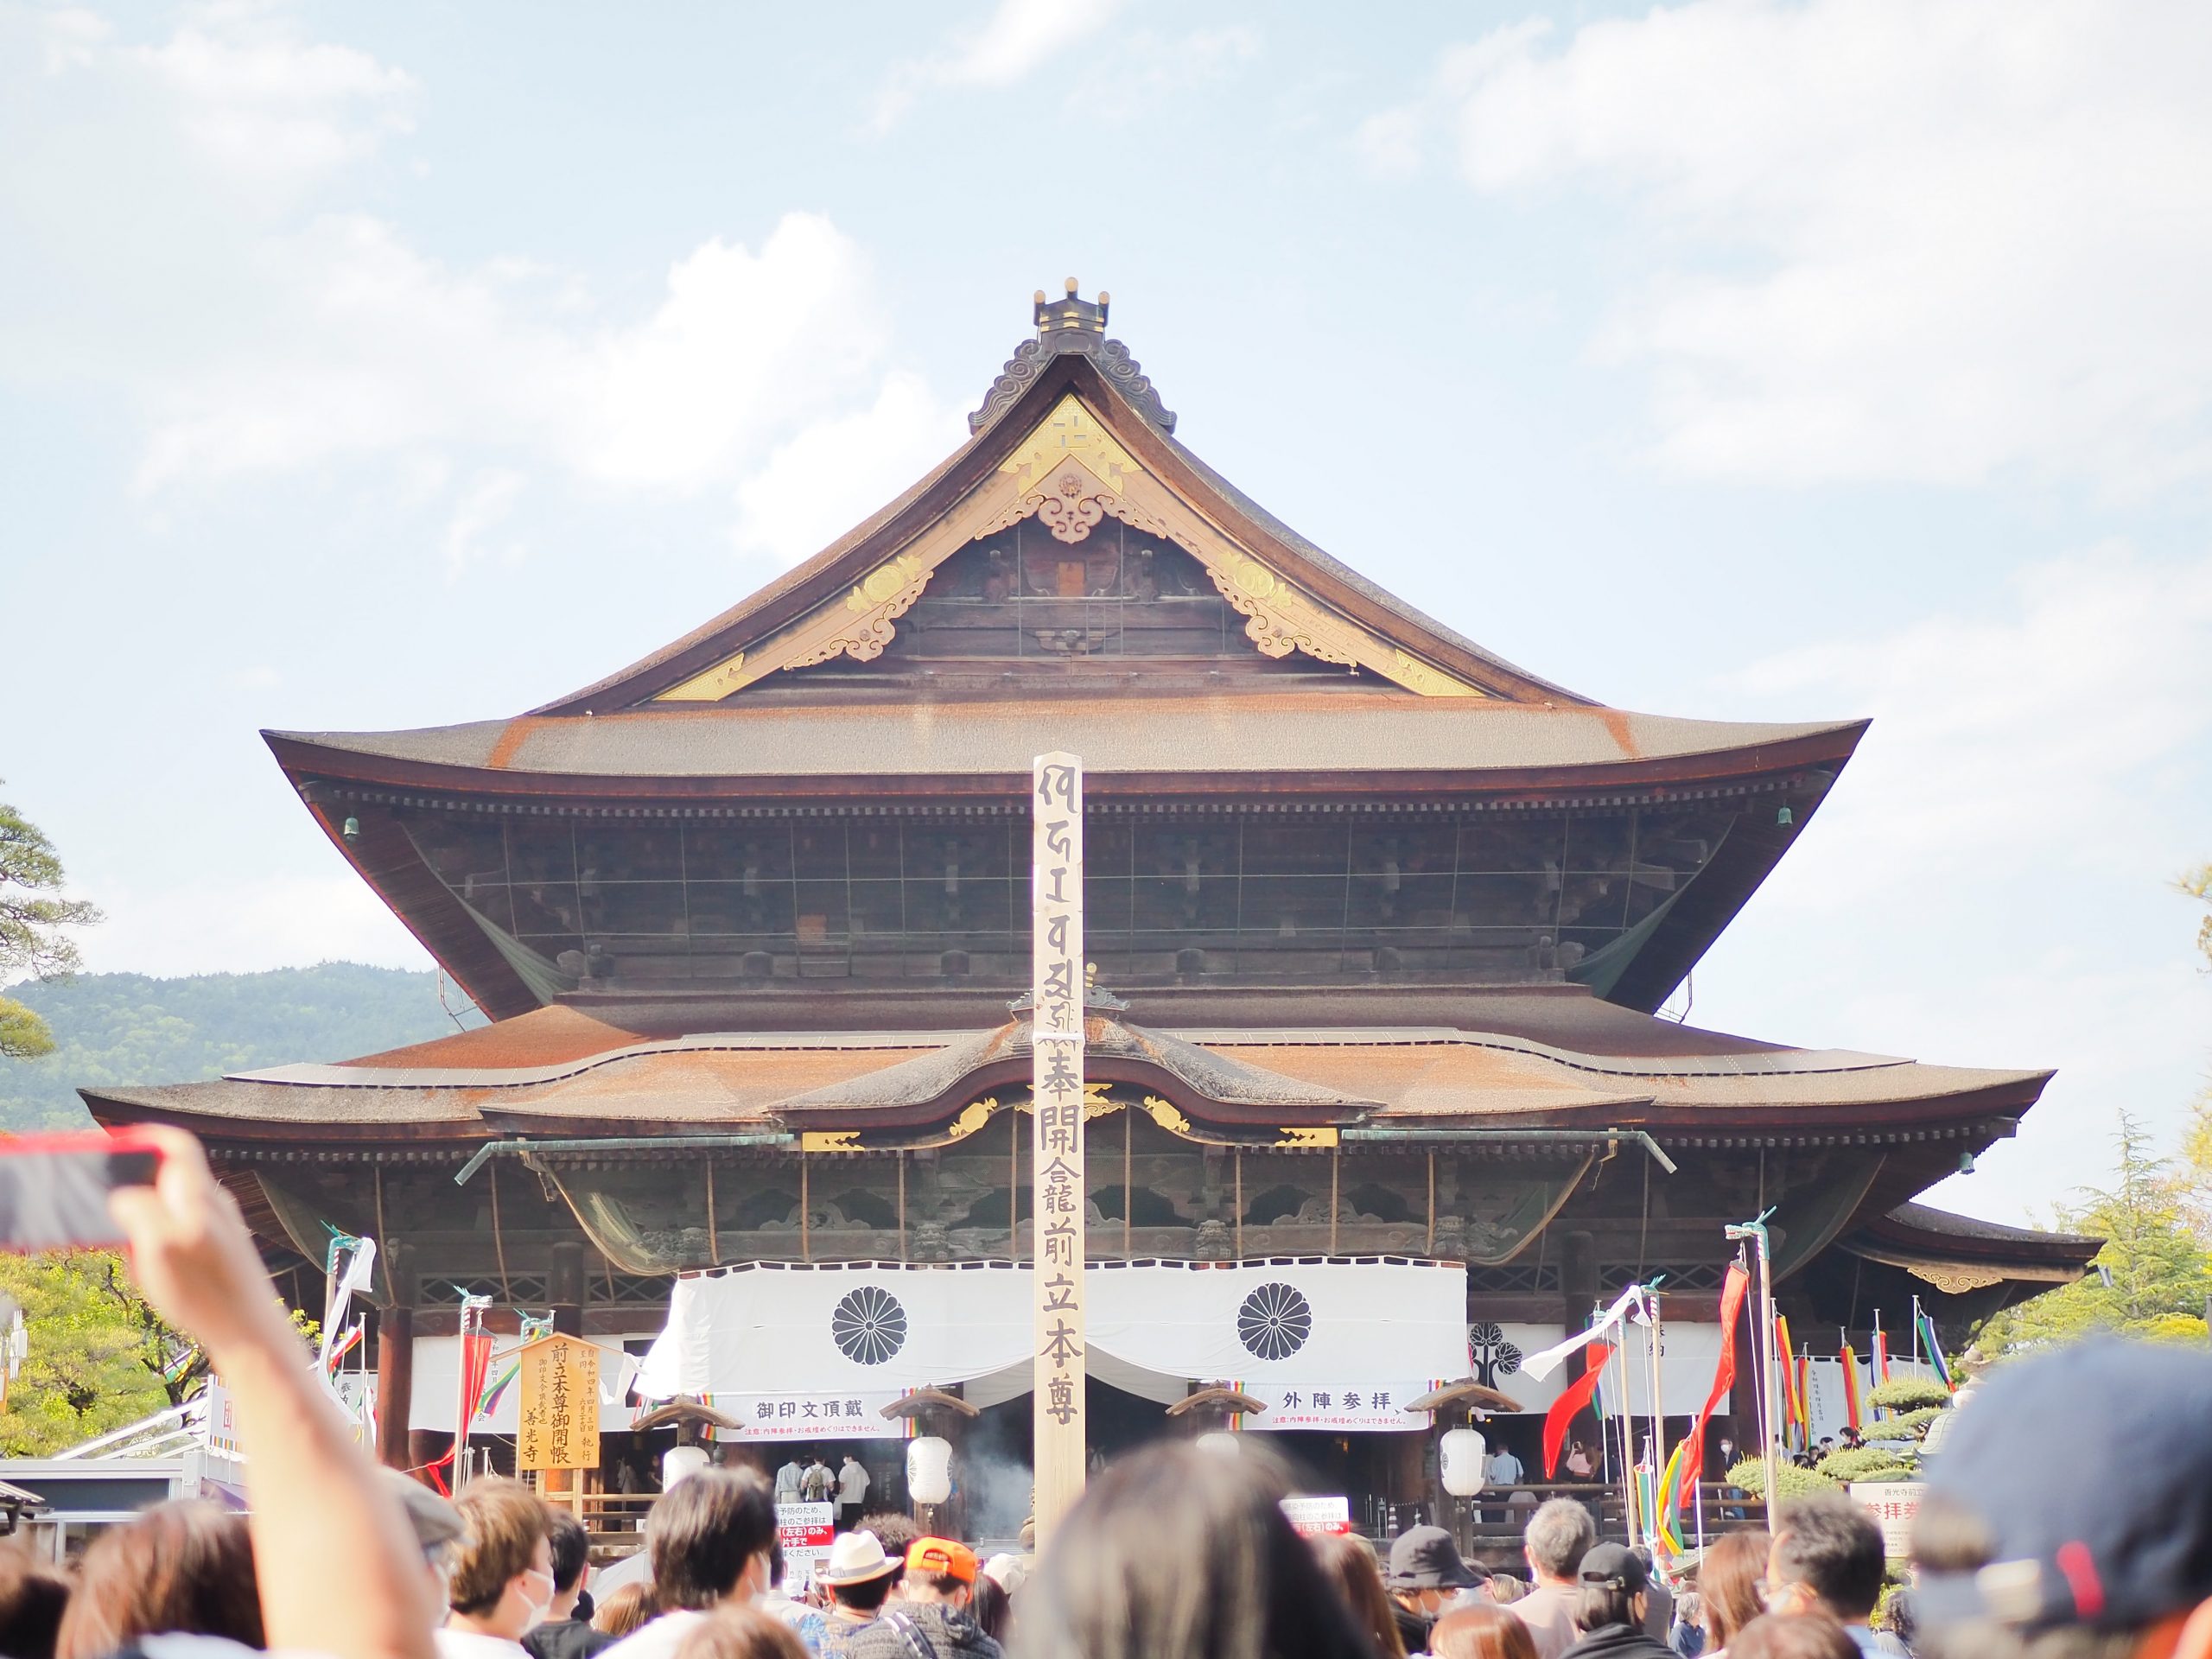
(2027, 1546)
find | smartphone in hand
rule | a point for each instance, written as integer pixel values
(54, 1188)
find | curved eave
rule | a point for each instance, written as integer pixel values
(307, 758)
(852, 556)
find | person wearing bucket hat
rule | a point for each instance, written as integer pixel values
(2047, 1532)
(1426, 1571)
(859, 1576)
(1613, 1584)
(930, 1616)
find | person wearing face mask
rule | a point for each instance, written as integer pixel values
(1426, 1571)
(502, 1576)
(712, 1541)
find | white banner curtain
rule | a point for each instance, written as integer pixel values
(1382, 1325)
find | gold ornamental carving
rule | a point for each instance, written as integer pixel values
(860, 628)
(1955, 1280)
(1072, 475)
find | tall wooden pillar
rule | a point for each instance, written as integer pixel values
(395, 1384)
(569, 1289)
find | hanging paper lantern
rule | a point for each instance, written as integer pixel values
(681, 1460)
(1220, 1440)
(1460, 1455)
(929, 1469)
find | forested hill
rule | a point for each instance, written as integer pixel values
(127, 1028)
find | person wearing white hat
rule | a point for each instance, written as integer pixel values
(858, 1575)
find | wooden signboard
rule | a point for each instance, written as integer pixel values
(1057, 1097)
(559, 1405)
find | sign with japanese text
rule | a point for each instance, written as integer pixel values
(1312, 1517)
(809, 1415)
(1055, 1141)
(1337, 1406)
(1894, 1502)
(559, 1413)
(805, 1531)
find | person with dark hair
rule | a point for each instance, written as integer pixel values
(740, 1633)
(2047, 1530)
(1427, 1570)
(1181, 1551)
(502, 1579)
(895, 1532)
(1558, 1534)
(1828, 1557)
(991, 1608)
(858, 1575)
(33, 1598)
(1779, 1636)
(712, 1541)
(852, 1492)
(1728, 1580)
(1481, 1633)
(1658, 1599)
(1610, 1613)
(930, 1615)
(1348, 1562)
(183, 1569)
(566, 1632)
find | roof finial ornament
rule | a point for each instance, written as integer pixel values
(1072, 324)
(1073, 314)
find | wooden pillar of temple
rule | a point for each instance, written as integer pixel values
(569, 1290)
(395, 1383)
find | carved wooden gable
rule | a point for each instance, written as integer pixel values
(1071, 549)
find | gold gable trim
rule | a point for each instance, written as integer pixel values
(1071, 475)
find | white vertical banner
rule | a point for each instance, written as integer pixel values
(1056, 1141)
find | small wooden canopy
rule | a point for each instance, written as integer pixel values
(684, 1411)
(1466, 1394)
(1218, 1399)
(922, 1400)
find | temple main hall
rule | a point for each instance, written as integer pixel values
(1379, 926)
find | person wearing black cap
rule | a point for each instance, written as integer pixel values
(1426, 1571)
(1611, 1613)
(2046, 1531)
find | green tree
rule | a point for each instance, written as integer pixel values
(31, 923)
(97, 1352)
(2150, 1278)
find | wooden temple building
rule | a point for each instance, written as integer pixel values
(1380, 925)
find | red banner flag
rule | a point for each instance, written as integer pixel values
(1572, 1399)
(1850, 1386)
(1733, 1288)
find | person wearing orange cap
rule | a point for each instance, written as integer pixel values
(930, 1619)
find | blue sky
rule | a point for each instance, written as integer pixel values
(368, 367)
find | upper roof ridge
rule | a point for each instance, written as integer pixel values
(1072, 324)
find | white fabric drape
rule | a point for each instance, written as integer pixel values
(787, 1330)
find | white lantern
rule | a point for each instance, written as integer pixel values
(1459, 1455)
(929, 1469)
(1220, 1442)
(681, 1460)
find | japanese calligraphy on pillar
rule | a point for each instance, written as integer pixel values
(559, 1407)
(1056, 1091)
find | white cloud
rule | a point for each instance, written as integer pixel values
(269, 105)
(364, 347)
(2041, 732)
(1925, 240)
(1986, 885)
(1020, 37)
(835, 473)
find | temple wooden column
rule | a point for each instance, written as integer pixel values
(395, 1383)
(569, 1289)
